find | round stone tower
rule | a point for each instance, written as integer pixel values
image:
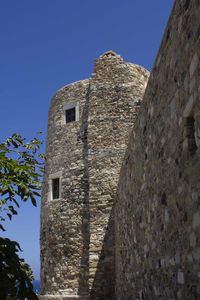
(89, 125)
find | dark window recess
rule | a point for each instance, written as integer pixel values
(189, 132)
(56, 188)
(70, 115)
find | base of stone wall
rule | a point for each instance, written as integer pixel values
(62, 297)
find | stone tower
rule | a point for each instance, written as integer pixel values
(89, 125)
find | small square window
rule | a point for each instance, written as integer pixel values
(70, 112)
(55, 188)
(70, 115)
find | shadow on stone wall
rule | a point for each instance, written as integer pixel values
(85, 228)
(103, 284)
(104, 281)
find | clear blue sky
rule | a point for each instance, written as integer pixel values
(46, 44)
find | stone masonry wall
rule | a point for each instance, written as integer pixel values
(116, 91)
(61, 220)
(157, 213)
(77, 230)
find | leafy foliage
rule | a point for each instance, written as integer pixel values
(21, 168)
(15, 275)
(20, 171)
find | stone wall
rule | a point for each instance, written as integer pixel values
(115, 94)
(157, 212)
(77, 230)
(61, 220)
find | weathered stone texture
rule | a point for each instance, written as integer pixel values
(65, 154)
(77, 231)
(157, 213)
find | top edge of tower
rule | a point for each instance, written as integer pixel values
(110, 54)
(75, 83)
(109, 67)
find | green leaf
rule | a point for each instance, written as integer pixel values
(33, 200)
(16, 203)
(11, 208)
(2, 228)
(37, 194)
(9, 215)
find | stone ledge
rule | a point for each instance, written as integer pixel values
(62, 297)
